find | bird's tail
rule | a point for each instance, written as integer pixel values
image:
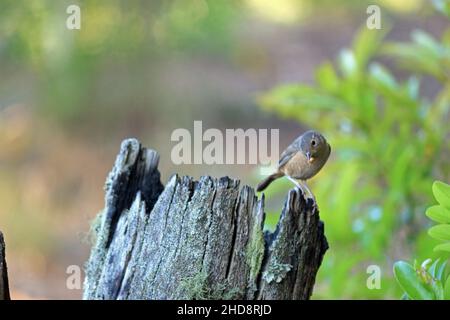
(265, 183)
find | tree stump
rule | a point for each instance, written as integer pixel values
(4, 287)
(197, 239)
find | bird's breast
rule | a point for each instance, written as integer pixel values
(298, 167)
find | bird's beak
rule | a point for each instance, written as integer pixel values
(308, 156)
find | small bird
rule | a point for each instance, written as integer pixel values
(301, 160)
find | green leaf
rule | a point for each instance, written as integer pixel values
(417, 57)
(441, 192)
(442, 247)
(409, 281)
(366, 44)
(404, 297)
(438, 214)
(413, 86)
(424, 267)
(294, 97)
(347, 63)
(432, 269)
(440, 271)
(327, 77)
(382, 76)
(437, 270)
(426, 41)
(447, 289)
(440, 232)
(438, 289)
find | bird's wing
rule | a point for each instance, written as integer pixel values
(288, 154)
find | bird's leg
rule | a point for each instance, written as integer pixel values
(311, 195)
(301, 184)
(308, 192)
(297, 183)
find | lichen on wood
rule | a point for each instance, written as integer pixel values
(197, 239)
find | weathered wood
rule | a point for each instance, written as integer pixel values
(197, 239)
(4, 286)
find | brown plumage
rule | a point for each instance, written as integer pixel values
(301, 160)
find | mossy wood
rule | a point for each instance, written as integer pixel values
(4, 288)
(197, 239)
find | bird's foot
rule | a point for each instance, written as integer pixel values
(308, 196)
(311, 196)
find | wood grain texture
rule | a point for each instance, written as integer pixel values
(197, 239)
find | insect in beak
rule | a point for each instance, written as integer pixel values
(309, 157)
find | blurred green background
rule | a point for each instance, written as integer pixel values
(144, 68)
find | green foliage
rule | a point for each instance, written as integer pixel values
(440, 214)
(425, 54)
(117, 37)
(411, 281)
(387, 142)
(424, 282)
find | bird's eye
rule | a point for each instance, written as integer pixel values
(313, 143)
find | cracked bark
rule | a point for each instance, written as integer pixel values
(4, 287)
(197, 239)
